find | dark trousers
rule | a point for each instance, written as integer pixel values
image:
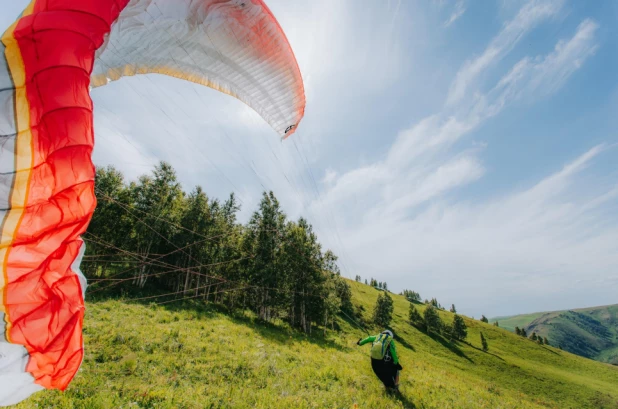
(385, 371)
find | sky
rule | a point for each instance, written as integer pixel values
(465, 150)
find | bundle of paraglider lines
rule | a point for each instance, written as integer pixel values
(50, 59)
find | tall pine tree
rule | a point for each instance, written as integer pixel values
(383, 310)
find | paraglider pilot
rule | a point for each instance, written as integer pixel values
(384, 359)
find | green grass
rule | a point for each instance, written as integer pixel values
(146, 356)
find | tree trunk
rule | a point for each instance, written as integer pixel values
(325, 321)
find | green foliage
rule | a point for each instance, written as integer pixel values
(433, 323)
(496, 324)
(415, 317)
(434, 302)
(484, 319)
(155, 239)
(484, 343)
(453, 309)
(383, 310)
(459, 329)
(411, 295)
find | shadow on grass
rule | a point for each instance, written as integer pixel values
(403, 342)
(485, 352)
(284, 334)
(277, 332)
(398, 396)
(203, 310)
(354, 324)
(549, 350)
(452, 346)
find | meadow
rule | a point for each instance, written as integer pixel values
(191, 355)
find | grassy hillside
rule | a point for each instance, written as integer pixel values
(589, 332)
(151, 356)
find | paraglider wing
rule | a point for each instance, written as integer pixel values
(234, 46)
(49, 59)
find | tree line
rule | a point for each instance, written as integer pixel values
(536, 338)
(150, 239)
(429, 322)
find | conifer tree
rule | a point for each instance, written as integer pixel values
(271, 266)
(433, 323)
(459, 330)
(453, 309)
(484, 319)
(383, 310)
(484, 343)
(265, 272)
(411, 295)
(414, 316)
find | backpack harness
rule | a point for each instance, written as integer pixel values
(380, 349)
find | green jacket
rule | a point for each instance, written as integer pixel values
(392, 347)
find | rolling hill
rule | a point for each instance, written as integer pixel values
(588, 332)
(193, 355)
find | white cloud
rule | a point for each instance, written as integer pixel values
(544, 76)
(528, 17)
(460, 9)
(533, 241)
(445, 177)
(329, 177)
(528, 79)
(399, 215)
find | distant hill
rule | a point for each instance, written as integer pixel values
(589, 332)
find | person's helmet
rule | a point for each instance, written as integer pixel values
(389, 333)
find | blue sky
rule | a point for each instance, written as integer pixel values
(465, 150)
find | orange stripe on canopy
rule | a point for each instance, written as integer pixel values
(52, 198)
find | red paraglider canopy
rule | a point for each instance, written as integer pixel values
(51, 56)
